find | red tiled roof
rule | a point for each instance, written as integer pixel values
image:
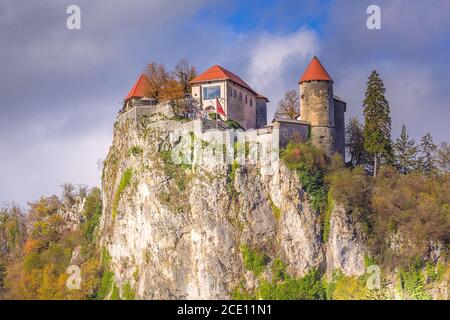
(219, 73)
(139, 88)
(315, 71)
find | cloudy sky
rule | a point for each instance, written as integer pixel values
(61, 89)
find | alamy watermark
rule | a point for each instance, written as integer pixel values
(74, 280)
(73, 22)
(373, 22)
(214, 148)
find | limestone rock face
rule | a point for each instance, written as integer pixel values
(176, 232)
(72, 212)
(345, 248)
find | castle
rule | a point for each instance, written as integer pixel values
(217, 90)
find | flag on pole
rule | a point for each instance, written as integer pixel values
(219, 108)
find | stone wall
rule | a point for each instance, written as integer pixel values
(291, 129)
(339, 122)
(323, 137)
(163, 110)
(237, 109)
(261, 112)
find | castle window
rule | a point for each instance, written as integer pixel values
(245, 99)
(211, 92)
(240, 96)
(251, 102)
(234, 92)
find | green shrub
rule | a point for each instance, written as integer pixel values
(310, 164)
(239, 293)
(369, 260)
(135, 151)
(92, 211)
(124, 182)
(308, 287)
(234, 124)
(279, 270)
(106, 258)
(231, 176)
(275, 210)
(254, 260)
(128, 292)
(328, 211)
(105, 285)
(115, 295)
(343, 287)
(412, 283)
(214, 116)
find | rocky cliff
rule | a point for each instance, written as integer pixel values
(177, 231)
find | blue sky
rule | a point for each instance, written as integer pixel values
(61, 89)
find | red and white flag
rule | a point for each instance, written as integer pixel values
(219, 108)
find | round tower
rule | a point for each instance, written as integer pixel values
(317, 105)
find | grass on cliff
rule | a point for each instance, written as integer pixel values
(412, 282)
(275, 210)
(254, 260)
(124, 182)
(282, 286)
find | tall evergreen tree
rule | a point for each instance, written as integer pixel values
(405, 151)
(427, 150)
(354, 142)
(377, 126)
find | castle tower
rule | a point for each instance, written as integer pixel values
(317, 105)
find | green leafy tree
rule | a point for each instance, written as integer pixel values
(377, 127)
(354, 142)
(405, 151)
(427, 149)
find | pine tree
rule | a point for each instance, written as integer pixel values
(405, 151)
(377, 127)
(427, 149)
(354, 142)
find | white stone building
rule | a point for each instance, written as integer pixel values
(238, 100)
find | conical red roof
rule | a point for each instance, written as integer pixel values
(139, 88)
(315, 71)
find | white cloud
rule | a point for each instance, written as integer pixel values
(277, 61)
(38, 168)
(415, 94)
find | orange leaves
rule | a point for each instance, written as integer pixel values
(31, 245)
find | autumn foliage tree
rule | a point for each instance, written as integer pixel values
(185, 72)
(163, 85)
(289, 106)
